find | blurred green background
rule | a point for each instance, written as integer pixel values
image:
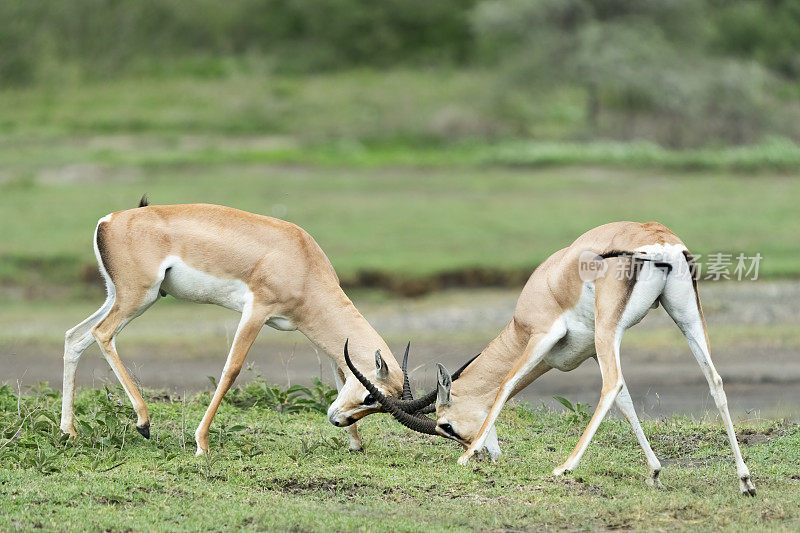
(424, 144)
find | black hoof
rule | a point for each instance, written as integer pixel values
(749, 492)
(356, 450)
(144, 430)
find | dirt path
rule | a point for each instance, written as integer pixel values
(754, 331)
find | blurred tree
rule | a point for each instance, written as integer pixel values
(106, 37)
(767, 31)
(675, 71)
(639, 58)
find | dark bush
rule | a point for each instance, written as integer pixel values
(105, 37)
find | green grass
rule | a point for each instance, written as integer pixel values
(416, 105)
(271, 470)
(410, 173)
(350, 118)
(409, 221)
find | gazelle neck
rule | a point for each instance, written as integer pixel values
(329, 318)
(482, 379)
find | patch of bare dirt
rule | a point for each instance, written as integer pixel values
(295, 486)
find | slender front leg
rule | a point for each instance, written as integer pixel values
(253, 318)
(612, 384)
(538, 347)
(356, 445)
(625, 405)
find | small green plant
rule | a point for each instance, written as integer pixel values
(108, 423)
(165, 459)
(307, 448)
(222, 431)
(43, 461)
(294, 399)
(314, 399)
(207, 463)
(575, 413)
(106, 460)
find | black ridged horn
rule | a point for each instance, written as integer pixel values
(427, 400)
(421, 424)
(406, 385)
(427, 410)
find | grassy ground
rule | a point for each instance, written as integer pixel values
(273, 470)
(435, 104)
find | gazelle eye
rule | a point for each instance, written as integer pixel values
(447, 428)
(369, 400)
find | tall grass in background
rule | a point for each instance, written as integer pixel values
(683, 74)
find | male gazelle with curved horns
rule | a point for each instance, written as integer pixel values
(269, 270)
(577, 305)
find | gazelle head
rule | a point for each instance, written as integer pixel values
(456, 417)
(459, 415)
(355, 402)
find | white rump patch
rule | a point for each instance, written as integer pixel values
(668, 253)
(662, 252)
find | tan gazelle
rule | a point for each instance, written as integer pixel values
(269, 270)
(576, 305)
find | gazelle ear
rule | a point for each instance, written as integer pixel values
(381, 370)
(444, 382)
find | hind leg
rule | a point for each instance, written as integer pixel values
(625, 405)
(680, 300)
(105, 332)
(76, 341)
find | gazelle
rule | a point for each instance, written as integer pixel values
(269, 270)
(576, 306)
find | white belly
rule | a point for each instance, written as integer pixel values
(578, 343)
(187, 283)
